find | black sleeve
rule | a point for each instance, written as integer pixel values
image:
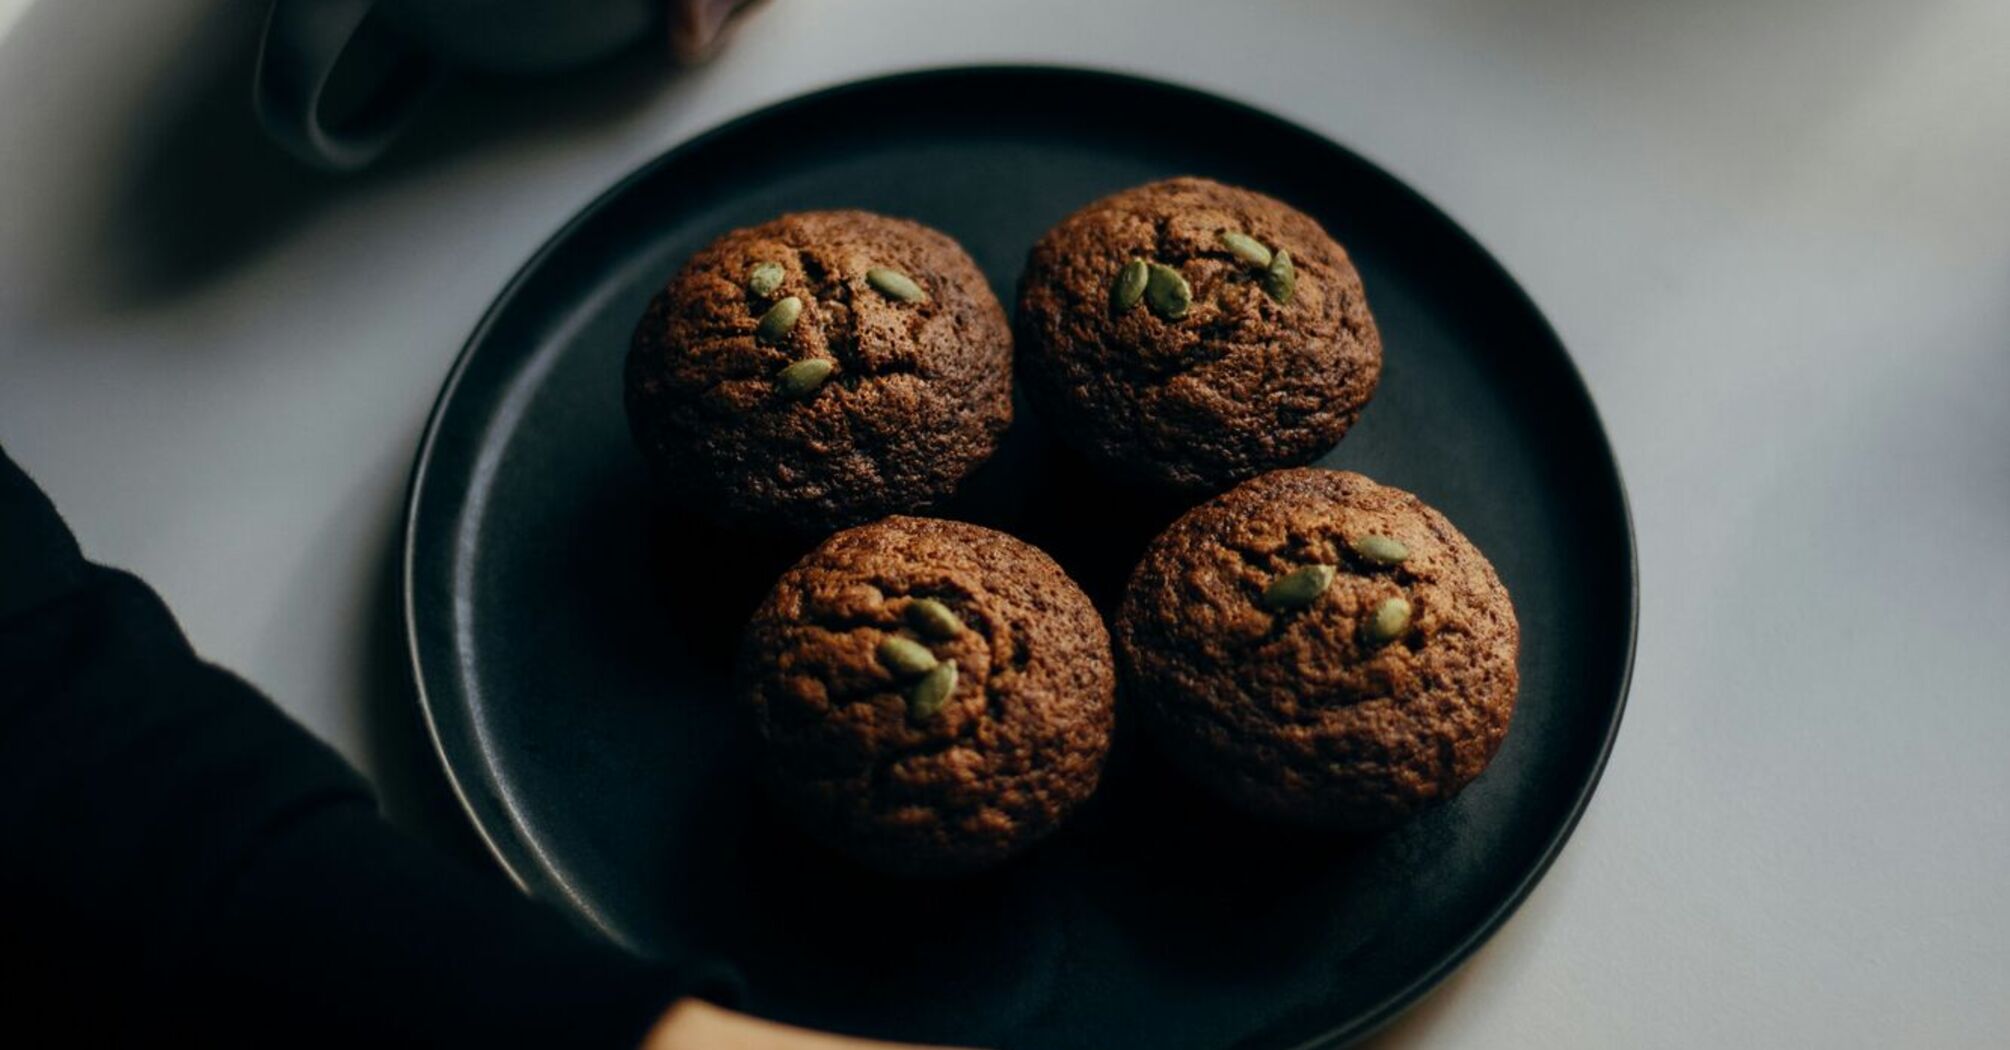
(180, 864)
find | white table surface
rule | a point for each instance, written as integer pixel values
(1775, 235)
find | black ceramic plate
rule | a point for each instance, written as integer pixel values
(571, 636)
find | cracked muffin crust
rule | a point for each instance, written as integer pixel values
(819, 370)
(868, 746)
(1259, 362)
(1321, 649)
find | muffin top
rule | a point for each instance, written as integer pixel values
(1322, 649)
(933, 695)
(821, 369)
(1191, 334)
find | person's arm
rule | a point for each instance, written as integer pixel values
(178, 859)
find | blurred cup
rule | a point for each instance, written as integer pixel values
(338, 79)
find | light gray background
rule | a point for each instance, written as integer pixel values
(1776, 236)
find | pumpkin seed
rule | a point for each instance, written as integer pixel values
(1167, 292)
(780, 319)
(1129, 286)
(905, 656)
(802, 379)
(765, 278)
(930, 695)
(1298, 588)
(895, 285)
(1246, 248)
(933, 619)
(1280, 278)
(1388, 622)
(1380, 550)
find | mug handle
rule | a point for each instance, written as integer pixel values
(304, 41)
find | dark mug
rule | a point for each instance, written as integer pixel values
(390, 52)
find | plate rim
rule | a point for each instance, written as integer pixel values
(1392, 1006)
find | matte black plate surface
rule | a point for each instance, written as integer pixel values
(571, 636)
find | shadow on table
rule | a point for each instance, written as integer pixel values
(200, 192)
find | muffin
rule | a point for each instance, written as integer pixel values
(1321, 650)
(932, 696)
(1189, 335)
(820, 370)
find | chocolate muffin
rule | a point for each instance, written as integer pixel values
(820, 370)
(1321, 649)
(1190, 335)
(933, 696)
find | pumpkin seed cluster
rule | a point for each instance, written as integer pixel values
(1299, 588)
(1276, 274)
(932, 681)
(1160, 287)
(800, 380)
(1165, 291)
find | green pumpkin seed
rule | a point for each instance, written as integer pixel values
(1380, 550)
(1388, 622)
(1298, 588)
(780, 319)
(765, 278)
(1129, 286)
(905, 656)
(895, 285)
(933, 619)
(802, 379)
(1167, 292)
(1280, 278)
(1246, 248)
(930, 695)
